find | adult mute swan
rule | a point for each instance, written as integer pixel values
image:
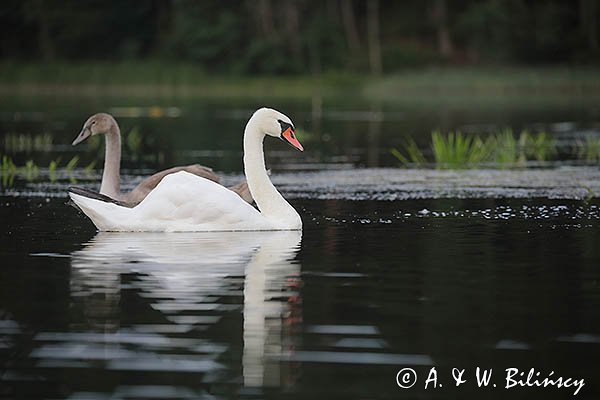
(105, 124)
(187, 202)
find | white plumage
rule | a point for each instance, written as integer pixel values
(186, 202)
(181, 202)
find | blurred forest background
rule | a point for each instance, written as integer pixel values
(286, 37)
(380, 74)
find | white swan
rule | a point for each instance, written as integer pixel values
(186, 202)
(105, 124)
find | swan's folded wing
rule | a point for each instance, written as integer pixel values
(187, 202)
(147, 185)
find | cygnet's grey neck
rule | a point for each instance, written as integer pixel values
(111, 178)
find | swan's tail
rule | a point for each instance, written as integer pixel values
(98, 196)
(105, 212)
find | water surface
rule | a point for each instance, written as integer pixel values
(394, 268)
(367, 288)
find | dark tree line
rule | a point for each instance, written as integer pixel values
(302, 36)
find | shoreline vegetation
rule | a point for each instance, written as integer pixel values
(497, 150)
(138, 79)
(451, 150)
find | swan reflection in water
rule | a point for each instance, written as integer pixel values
(193, 280)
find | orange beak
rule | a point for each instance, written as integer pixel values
(288, 136)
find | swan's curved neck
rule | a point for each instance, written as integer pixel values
(111, 185)
(269, 201)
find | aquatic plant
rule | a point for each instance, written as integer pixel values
(30, 170)
(413, 156)
(588, 149)
(540, 146)
(505, 148)
(89, 168)
(457, 150)
(72, 163)
(8, 170)
(501, 149)
(589, 196)
(508, 150)
(52, 170)
(70, 166)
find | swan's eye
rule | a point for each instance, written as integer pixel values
(285, 126)
(93, 122)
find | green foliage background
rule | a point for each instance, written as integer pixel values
(245, 37)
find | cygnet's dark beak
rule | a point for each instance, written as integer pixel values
(84, 134)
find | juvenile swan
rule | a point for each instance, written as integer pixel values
(187, 202)
(105, 124)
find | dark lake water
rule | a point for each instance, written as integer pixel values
(394, 268)
(334, 311)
